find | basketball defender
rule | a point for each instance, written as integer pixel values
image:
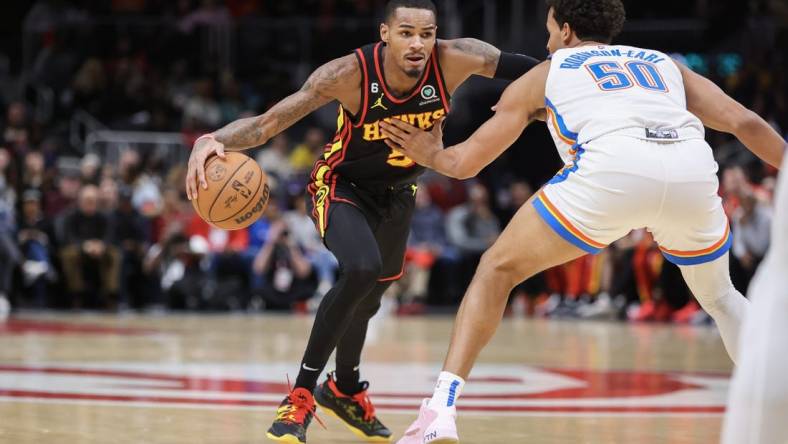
(363, 192)
(758, 397)
(627, 122)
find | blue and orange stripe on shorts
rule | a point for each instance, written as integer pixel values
(561, 225)
(700, 256)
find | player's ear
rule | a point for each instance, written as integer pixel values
(566, 33)
(384, 32)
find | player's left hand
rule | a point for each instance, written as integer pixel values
(419, 145)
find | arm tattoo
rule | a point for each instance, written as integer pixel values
(242, 133)
(489, 53)
(319, 89)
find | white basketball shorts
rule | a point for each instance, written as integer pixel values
(619, 183)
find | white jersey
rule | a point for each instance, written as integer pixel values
(593, 91)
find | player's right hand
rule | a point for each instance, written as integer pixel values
(195, 175)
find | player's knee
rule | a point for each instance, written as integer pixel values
(501, 268)
(366, 311)
(365, 271)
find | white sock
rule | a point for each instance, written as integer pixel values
(728, 313)
(447, 391)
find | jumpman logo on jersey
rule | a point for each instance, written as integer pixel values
(379, 103)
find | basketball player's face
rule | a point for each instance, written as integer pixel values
(410, 37)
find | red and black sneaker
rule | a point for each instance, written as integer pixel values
(293, 417)
(356, 411)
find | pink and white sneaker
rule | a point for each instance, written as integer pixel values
(432, 427)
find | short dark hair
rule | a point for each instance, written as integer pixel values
(392, 5)
(590, 19)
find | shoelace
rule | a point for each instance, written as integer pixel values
(300, 405)
(363, 400)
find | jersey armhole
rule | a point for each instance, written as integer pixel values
(358, 119)
(439, 76)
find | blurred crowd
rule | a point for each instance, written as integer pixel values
(86, 231)
(81, 233)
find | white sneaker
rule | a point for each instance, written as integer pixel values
(602, 308)
(432, 427)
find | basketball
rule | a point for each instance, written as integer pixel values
(237, 192)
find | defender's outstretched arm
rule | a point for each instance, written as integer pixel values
(520, 104)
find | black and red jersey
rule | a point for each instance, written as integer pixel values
(358, 154)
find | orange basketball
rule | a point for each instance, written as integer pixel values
(237, 192)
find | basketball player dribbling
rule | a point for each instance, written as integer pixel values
(363, 191)
(629, 124)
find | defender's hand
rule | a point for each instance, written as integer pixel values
(203, 147)
(421, 146)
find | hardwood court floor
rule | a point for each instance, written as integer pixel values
(84, 379)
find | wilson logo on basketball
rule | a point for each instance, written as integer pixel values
(257, 208)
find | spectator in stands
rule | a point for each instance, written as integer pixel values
(35, 239)
(91, 264)
(175, 216)
(302, 230)
(274, 159)
(290, 279)
(10, 257)
(146, 197)
(108, 195)
(512, 199)
(89, 169)
(227, 268)
(523, 295)
(5, 167)
(17, 133)
(9, 168)
(302, 159)
(173, 266)
(130, 233)
(258, 233)
(445, 192)
(89, 85)
(34, 174)
(201, 110)
(428, 249)
(57, 200)
(752, 223)
(472, 228)
(734, 180)
(230, 105)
